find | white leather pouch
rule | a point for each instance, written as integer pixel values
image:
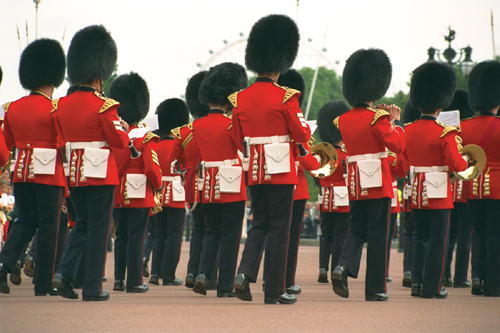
(277, 158)
(178, 193)
(44, 161)
(370, 173)
(394, 201)
(96, 162)
(341, 196)
(436, 184)
(245, 162)
(230, 179)
(136, 186)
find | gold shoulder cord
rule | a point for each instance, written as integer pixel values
(150, 136)
(55, 104)
(109, 102)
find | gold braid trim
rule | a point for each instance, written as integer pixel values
(233, 98)
(187, 141)
(289, 93)
(55, 104)
(378, 114)
(6, 106)
(390, 153)
(448, 129)
(177, 132)
(150, 136)
(190, 126)
(155, 157)
(108, 104)
(336, 122)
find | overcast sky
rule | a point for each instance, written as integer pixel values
(164, 41)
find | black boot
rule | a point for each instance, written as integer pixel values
(4, 286)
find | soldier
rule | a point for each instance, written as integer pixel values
(168, 224)
(367, 133)
(89, 123)
(224, 192)
(431, 157)
(484, 192)
(38, 174)
(139, 177)
(333, 198)
(267, 117)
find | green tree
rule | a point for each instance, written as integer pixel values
(106, 84)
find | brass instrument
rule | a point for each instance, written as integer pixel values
(327, 156)
(478, 157)
(157, 198)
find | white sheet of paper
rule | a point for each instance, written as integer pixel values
(138, 132)
(450, 118)
(312, 125)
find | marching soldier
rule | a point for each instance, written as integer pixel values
(366, 133)
(38, 174)
(224, 192)
(267, 118)
(139, 177)
(484, 192)
(89, 123)
(334, 197)
(431, 157)
(168, 224)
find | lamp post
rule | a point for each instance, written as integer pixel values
(37, 2)
(464, 61)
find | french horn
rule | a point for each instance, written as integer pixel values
(327, 156)
(478, 157)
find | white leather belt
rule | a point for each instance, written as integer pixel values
(170, 178)
(395, 183)
(262, 140)
(361, 157)
(90, 144)
(214, 164)
(431, 169)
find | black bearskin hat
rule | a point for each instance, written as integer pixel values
(366, 76)
(272, 45)
(221, 81)
(410, 114)
(328, 132)
(460, 102)
(293, 79)
(72, 89)
(42, 63)
(196, 109)
(131, 91)
(432, 86)
(172, 113)
(484, 86)
(91, 55)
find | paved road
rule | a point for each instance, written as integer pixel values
(177, 309)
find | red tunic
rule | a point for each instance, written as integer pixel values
(266, 109)
(213, 138)
(185, 152)
(335, 179)
(4, 151)
(368, 131)
(86, 116)
(430, 143)
(30, 124)
(487, 185)
(163, 149)
(146, 164)
(393, 166)
(308, 162)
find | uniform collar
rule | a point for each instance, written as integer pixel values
(86, 88)
(37, 92)
(338, 147)
(216, 111)
(167, 138)
(488, 114)
(427, 117)
(264, 79)
(362, 105)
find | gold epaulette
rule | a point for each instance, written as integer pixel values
(6, 106)
(177, 132)
(227, 116)
(233, 98)
(109, 102)
(378, 113)
(289, 93)
(149, 136)
(447, 129)
(190, 126)
(336, 122)
(55, 104)
(100, 96)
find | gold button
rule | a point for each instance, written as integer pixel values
(28, 145)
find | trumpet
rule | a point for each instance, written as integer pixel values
(327, 156)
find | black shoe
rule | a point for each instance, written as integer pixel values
(154, 280)
(189, 281)
(264, 286)
(175, 282)
(119, 285)
(295, 290)
(4, 286)
(15, 275)
(29, 266)
(52, 292)
(447, 282)
(462, 284)
(225, 294)
(64, 286)
(242, 287)
(416, 290)
(145, 269)
(477, 287)
(102, 297)
(442, 295)
(200, 284)
(388, 279)
(282, 299)
(138, 289)
(492, 294)
(322, 277)
(377, 297)
(339, 281)
(407, 279)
